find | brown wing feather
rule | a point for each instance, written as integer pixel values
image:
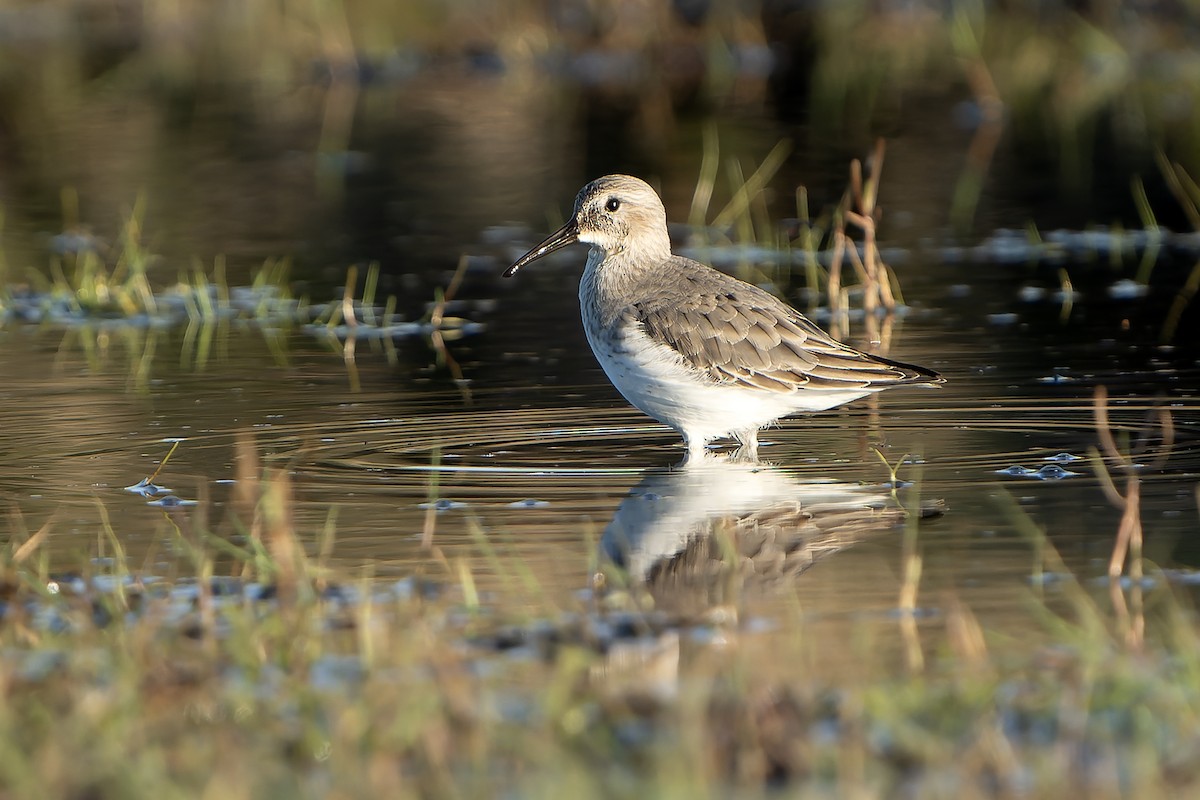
(738, 333)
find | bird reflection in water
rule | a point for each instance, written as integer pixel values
(699, 537)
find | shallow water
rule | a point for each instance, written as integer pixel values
(534, 453)
(529, 460)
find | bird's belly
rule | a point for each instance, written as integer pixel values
(660, 383)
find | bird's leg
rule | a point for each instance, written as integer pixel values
(697, 448)
(748, 440)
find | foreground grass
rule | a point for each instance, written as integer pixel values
(289, 680)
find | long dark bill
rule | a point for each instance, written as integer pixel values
(566, 235)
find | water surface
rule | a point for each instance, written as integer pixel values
(535, 453)
(532, 453)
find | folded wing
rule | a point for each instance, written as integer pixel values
(745, 335)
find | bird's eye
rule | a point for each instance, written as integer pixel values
(613, 204)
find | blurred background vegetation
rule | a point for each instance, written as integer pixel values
(342, 130)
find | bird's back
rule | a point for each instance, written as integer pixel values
(733, 332)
